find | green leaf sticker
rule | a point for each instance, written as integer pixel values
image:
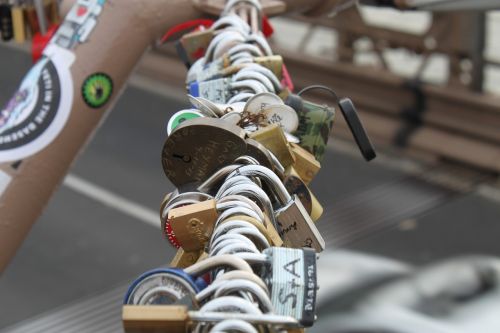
(97, 90)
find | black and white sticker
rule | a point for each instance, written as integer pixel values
(39, 109)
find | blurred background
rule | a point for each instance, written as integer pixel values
(426, 86)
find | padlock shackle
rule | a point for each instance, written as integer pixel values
(216, 262)
(262, 319)
(217, 177)
(255, 192)
(271, 179)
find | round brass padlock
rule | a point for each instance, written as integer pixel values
(199, 147)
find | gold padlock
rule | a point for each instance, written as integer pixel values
(273, 63)
(158, 318)
(184, 259)
(306, 165)
(193, 224)
(267, 230)
(273, 138)
(196, 43)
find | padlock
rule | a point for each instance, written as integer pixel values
(291, 276)
(294, 224)
(306, 165)
(174, 200)
(282, 115)
(315, 125)
(165, 286)
(264, 71)
(257, 103)
(6, 28)
(260, 153)
(199, 147)
(18, 22)
(183, 259)
(295, 185)
(273, 138)
(217, 91)
(297, 228)
(273, 63)
(160, 318)
(195, 43)
(223, 42)
(213, 70)
(193, 224)
(213, 183)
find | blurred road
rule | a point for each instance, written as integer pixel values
(98, 232)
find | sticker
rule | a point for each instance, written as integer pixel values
(78, 24)
(97, 90)
(39, 109)
(4, 181)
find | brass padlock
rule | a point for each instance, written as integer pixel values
(295, 185)
(184, 259)
(196, 43)
(193, 224)
(158, 318)
(273, 63)
(260, 153)
(199, 147)
(203, 256)
(273, 138)
(306, 165)
(267, 230)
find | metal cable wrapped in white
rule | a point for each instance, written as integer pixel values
(237, 237)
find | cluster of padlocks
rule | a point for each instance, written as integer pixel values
(242, 216)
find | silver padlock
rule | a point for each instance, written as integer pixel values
(217, 91)
(293, 223)
(291, 276)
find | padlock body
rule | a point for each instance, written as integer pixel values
(296, 227)
(273, 138)
(193, 224)
(292, 279)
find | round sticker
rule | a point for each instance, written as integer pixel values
(39, 109)
(180, 117)
(97, 90)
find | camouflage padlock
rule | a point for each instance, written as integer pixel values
(315, 125)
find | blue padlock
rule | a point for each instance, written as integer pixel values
(164, 286)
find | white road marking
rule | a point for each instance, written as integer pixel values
(113, 200)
